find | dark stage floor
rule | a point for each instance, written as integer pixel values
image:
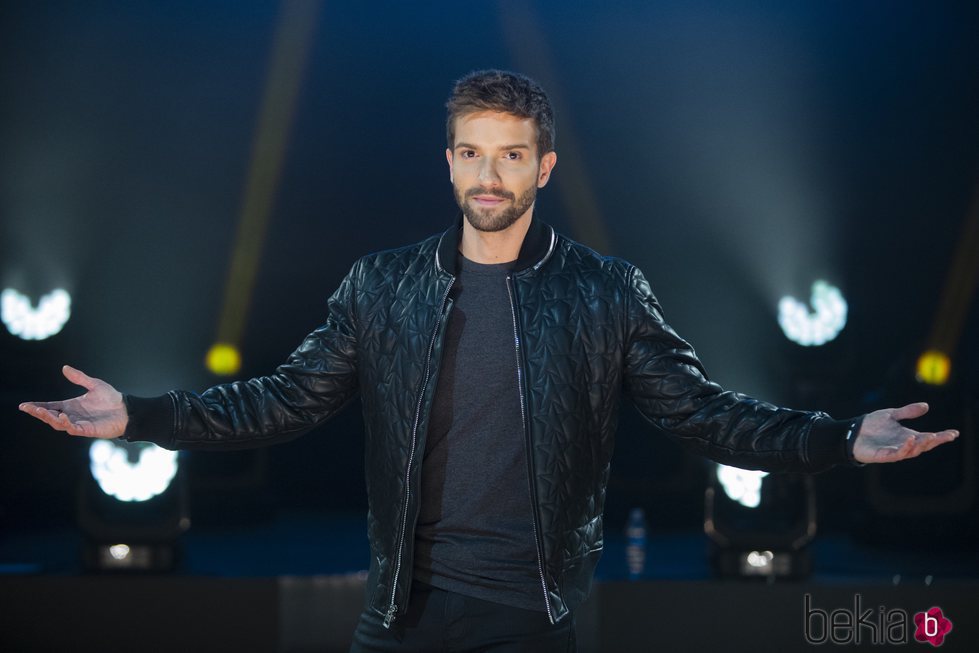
(295, 583)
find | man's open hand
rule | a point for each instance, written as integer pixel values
(882, 438)
(99, 413)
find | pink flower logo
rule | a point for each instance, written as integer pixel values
(931, 626)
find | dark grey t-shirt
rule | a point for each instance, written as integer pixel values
(475, 531)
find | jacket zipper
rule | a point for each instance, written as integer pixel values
(530, 461)
(392, 606)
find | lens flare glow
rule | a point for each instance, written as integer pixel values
(128, 481)
(741, 485)
(29, 323)
(816, 327)
(223, 359)
(933, 367)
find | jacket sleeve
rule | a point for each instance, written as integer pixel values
(669, 386)
(315, 383)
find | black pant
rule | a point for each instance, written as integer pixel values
(438, 620)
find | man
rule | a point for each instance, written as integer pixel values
(490, 361)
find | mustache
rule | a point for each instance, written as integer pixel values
(472, 192)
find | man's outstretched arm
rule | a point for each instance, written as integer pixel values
(670, 388)
(315, 383)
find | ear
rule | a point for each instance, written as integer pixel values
(547, 163)
(448, 157)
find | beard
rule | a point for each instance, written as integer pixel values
(490, 218)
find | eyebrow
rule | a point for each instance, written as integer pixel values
(514, 146)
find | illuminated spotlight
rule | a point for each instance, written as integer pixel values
(120, 476)
(223, 359)
(759, 524)
(759, 563)
(741, 485)
(29, 323)
(933, 367)
(819, 326)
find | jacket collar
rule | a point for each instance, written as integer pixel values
(537, 247)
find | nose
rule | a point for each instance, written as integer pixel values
(487, 172)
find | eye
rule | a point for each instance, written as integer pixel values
(467, 154)
(512, 156)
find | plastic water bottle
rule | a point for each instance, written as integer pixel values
(635, 548)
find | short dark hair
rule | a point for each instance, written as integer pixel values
(500, 90)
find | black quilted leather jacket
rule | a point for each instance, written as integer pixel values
(587, 329)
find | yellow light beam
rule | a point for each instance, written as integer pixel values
(960, 285)
(290, 47)
(526, 43)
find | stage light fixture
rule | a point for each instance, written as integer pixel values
(132, 471)
(933, 367)
(223, 359)
(132, 507)
(759, 524)
(816, 327)
(29, 323)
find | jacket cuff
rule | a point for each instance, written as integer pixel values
(851, 437)
(150, 420)
(828, 443)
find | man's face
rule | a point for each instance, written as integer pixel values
(494, 168)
